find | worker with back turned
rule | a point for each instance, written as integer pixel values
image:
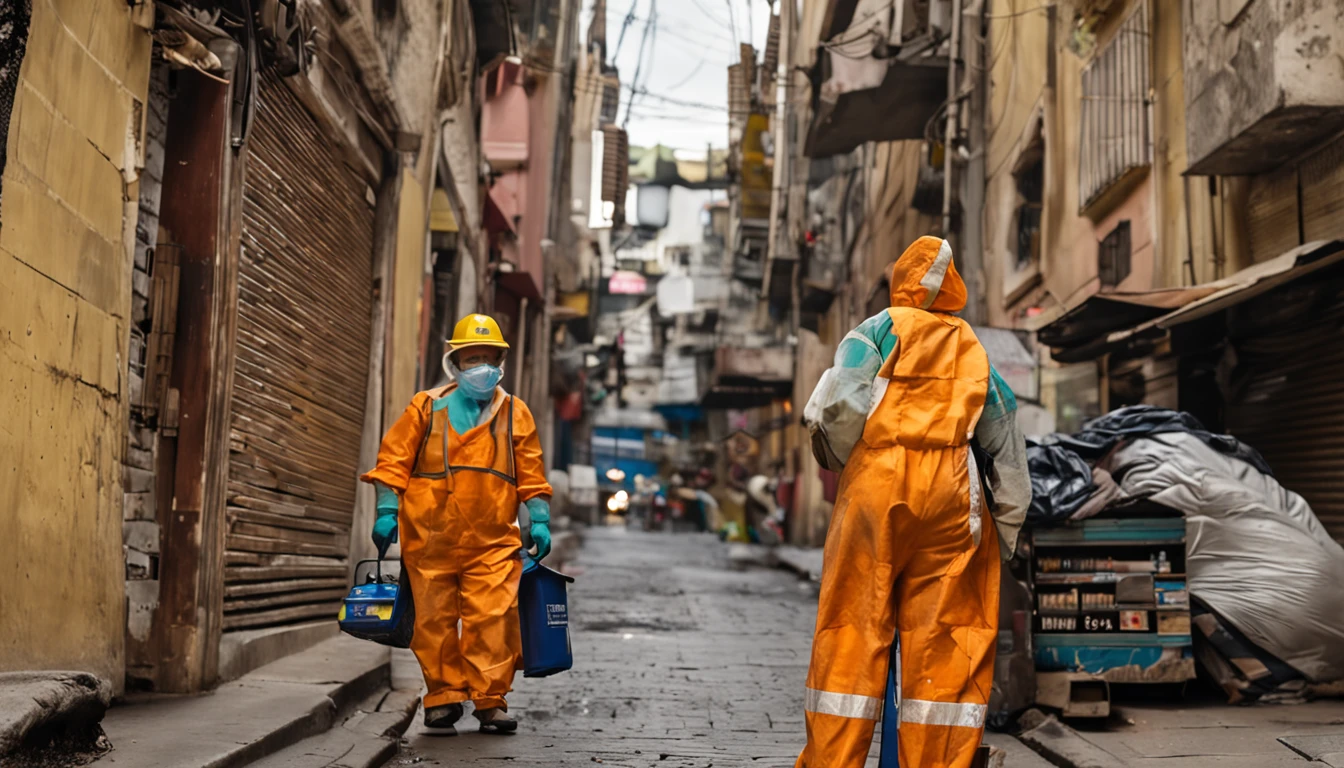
(909, 557)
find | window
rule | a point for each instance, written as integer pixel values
(1113, 256)
(1029, 174)
(1028, 234)
(1114, 139)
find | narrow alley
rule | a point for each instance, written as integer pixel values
(679, 660)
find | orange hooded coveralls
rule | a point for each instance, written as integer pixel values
(458, 526)
(908, 548)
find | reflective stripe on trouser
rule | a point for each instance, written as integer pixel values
(478, 662)
(900, 555)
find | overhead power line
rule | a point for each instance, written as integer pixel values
(688, 78)
(677, 102)
(732, 21)
(625, 24)
(649, 26)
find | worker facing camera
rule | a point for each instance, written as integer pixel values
(451, 474)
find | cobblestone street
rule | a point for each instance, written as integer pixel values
(678, 661)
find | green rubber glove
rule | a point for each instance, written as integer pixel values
(385, 524)
(539, 510)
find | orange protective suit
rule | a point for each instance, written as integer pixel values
(458, 523)
(908, 548)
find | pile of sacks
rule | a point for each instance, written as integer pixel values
(1264, 574)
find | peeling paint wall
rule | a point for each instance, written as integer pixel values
(140, 529)
(1178, 226)
(1263, 84)
(67, 231)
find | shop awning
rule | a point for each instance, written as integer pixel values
(1103, 313)
(1011, 359)
(1094, 328)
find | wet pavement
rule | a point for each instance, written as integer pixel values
(679, 660)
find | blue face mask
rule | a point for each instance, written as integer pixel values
(479, 383)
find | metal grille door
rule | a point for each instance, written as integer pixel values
(304, 330)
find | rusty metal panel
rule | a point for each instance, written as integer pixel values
(615, 164)
(304, 334)
(739, 94)
(771, 61)
(1287, 402)
(611, 95)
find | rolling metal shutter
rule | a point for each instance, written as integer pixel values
(1271, 214)
(1290, 403)
(1323, 193)
(304, 331)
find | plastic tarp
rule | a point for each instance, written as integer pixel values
(1061, 483)
(1255, 552)
(1065, 486)
(1103, 433)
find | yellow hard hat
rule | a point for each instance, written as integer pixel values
(477, 331)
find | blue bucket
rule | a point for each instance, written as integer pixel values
(543, 614)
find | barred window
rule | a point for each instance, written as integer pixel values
(1115, 138)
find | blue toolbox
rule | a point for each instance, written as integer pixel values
(379, 606)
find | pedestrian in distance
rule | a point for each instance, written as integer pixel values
(451, 474)
(902, 415)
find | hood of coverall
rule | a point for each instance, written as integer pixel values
(925, 277)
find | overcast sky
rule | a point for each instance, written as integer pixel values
(686, 59)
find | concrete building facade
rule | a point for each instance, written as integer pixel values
(220, 238)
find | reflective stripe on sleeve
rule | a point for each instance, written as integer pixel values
(946, 713)
(842, 704)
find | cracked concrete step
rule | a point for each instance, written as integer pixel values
(1062, 745)
(367, 739)
(1008, 752)
(250, 718)
(32, 701)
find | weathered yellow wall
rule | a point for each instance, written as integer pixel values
(66, 232)
(408, 277)
(1170, 217)
(1019, 96)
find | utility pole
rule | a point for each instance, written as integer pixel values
(952, 104)
(971, 244)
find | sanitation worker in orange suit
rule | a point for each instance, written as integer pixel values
(451, 474)
(909, 555)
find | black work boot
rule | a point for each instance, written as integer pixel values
(443, 716)
(496, 720)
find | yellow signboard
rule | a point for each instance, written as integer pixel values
(756, 177)
(441, 217)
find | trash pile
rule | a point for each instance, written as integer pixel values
(1264, 575)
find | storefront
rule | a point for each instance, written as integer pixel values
(1257, 355)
